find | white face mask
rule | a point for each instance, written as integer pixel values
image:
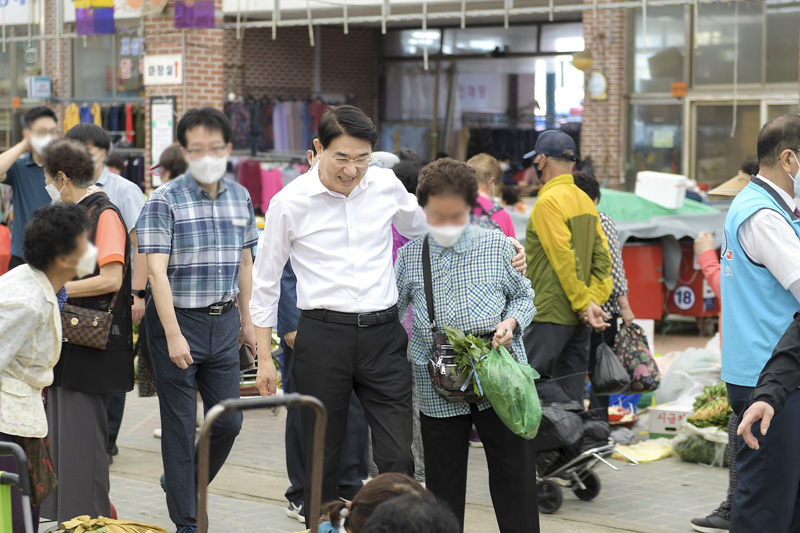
(208, 170)
(796, 178)
(40, 143)
(446, 236)
(55, 194)
(87, 263)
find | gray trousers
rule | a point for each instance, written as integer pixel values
(560, 353)
(78, 432)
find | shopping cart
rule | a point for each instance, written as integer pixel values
(22, 480)
(248, 404)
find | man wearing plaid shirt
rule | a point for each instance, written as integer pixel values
(197, 232)
(475, 289)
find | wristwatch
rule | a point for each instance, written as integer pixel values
(140, 293)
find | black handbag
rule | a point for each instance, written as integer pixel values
(442, 366)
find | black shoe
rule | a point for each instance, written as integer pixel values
(113, 450)
(716, 522)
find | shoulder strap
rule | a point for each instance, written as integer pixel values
(428, 280)
(496, 208)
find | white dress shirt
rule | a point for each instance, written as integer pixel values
(769, 240)
(340, 246)
(124, 194)
(30, 345)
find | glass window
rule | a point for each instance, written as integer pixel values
(660, 63)
(719, 155)
(478, 41)
(776, 110)
(130, 65)
(783, 40)
(716, 43)
(410, 43)
(562, 37)
(18, 63)
(93, 64)
(410, 91)
(656, 139)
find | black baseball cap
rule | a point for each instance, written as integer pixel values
(554, 143)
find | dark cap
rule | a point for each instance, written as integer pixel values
(554, 143)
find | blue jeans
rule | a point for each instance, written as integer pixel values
(214, 344)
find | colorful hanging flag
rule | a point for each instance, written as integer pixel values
(194, 14)
(94, 17)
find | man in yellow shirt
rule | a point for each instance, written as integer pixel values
(569, 267)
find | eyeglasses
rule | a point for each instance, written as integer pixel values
(358, 162)
(216, 151)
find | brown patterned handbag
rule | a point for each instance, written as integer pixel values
(84, 326)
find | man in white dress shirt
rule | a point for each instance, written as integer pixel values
(335, 224)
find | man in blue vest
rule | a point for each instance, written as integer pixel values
(760, 271)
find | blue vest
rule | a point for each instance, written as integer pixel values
(756, 309)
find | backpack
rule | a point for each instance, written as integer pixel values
(484, 219)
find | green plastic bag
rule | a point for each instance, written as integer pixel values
(511, 389)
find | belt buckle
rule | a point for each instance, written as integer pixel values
(359, 322)
(216, 310)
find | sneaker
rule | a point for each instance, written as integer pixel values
(296, 512)
(475, 439)
(713, 523)
(187, 529)
(157, 433)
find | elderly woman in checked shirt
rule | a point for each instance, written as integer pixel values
(475, 289)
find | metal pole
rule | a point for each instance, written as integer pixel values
(231, 406)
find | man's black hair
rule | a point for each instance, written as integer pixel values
(587, 184)
(778, 135)
(750, 165)
(208, 117)
(90, 134)
(346, 120)
(311, 144)
(115, 161)
(412, 512)
(53, 230)
(32, 115)
(407, 171)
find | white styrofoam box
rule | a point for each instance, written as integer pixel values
(665, 419)
(666, 190)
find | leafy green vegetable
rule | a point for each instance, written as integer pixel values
(696, 449)
(712, 408)
(469, 351)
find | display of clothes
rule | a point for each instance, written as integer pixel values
(283, 125)
(124, 122)
(496, 141)
(134, 168)
(263, 180)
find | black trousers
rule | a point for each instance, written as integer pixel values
(333, 360)
(512, 469)
(355, 454)
(560, 353)
(116, 408)
(598, 404)
(767, 497)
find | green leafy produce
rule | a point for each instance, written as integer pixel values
(696, 449)
(470, 352)
(712, 408)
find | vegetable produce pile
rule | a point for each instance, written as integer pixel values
(711, 408)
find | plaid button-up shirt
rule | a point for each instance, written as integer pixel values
(203, 236)
(474, 289)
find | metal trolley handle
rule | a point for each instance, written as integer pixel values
(231, 406)
(22, 480)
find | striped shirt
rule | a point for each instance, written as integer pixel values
(617, 268)
(474, 289)
(203, 236)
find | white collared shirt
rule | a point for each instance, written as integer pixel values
(340, 246)
(769, 240)
(30, 345)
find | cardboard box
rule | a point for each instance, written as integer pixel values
(666, 190)
(665, 419)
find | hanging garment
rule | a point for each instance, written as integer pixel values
(272, 183)
(86, 114)
(267, 133)
(250, 178)
(97, 115)
(138, 126)
(72, 117)
(129, 133)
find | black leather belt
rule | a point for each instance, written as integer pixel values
(362, 320)
(213, 309)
